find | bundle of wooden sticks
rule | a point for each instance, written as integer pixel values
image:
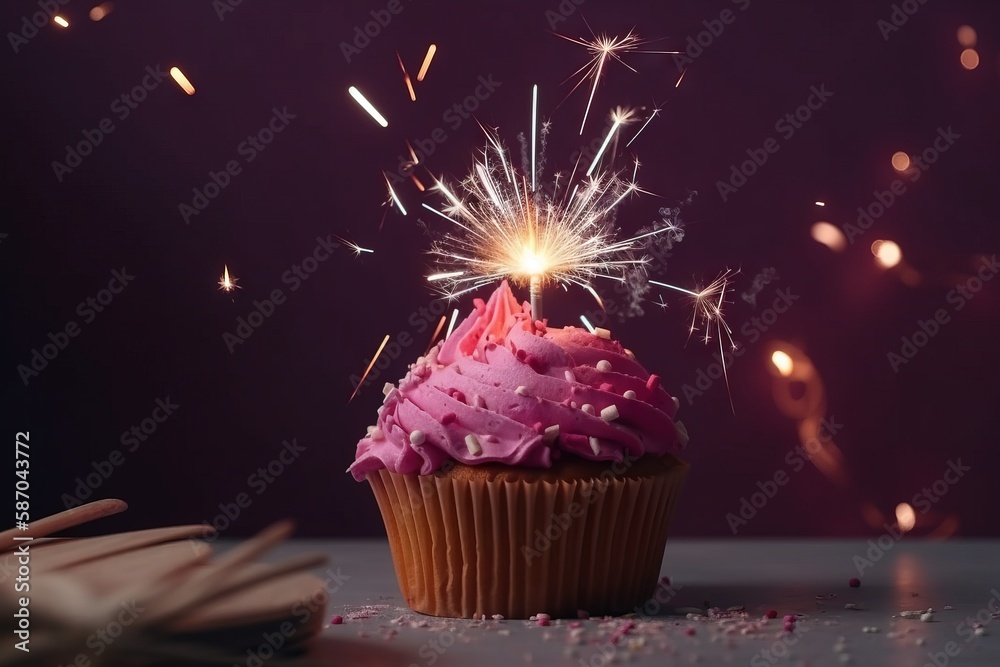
(152, 597)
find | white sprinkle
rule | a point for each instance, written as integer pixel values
(551, 433)
(850, 605)
(370, 429)
(417, 437)
(497, 617)
(921, 641)
(682, 432)
(574, 405)
(570, 377)
(602, 333)
(595, 445)
(604, 366)
(630, 354)
(869, 629)
(926, 617)
(979, 632)
(629, 394)
(387, 387)
(610, 413)
(376, 434)
(521, 390)
(589, 409)
(845, 658)
(472, 442)
(677, 402)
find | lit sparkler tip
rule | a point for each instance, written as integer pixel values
(355, 248)
(227, 283)
(367, 106)
(431, 50)
(182, 80)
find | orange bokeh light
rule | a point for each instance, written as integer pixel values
(829, 235)
(887, 253)
(900, 161)
(967, 36)
(970, 59)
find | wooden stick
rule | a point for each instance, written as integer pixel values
(63, 520)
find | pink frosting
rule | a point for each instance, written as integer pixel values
(506, 381)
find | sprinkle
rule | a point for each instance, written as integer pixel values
(677, 402)
(595, 445)
(376, 434)
(602, 333)
(653, 382)
(689, 631)
(574, 405)
(370, 429)
(682, 432)
(543, 620)
(472, 442)
(521, 390)
(629, 394)
(570, 377)
(479, 401)
(497, 617)
(417, 438)
(854, 582)
(789, 626)
(551, 433)
(789, 618)
(979, 632)
(610, 413)
(851, 605)
(629, 354)
(926, 617)
(870, 629)
(337, 620)
(458, 395)
(604, 366)
(387, 387)
(921, 641)
(771, 613)
(448, 418)
(589, 409)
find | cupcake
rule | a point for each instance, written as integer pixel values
(523, 469)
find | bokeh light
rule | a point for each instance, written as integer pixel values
(782, 362)
(900, 161)
(887, 253)
(829, 235)
(182, 80)
(58, 20)
(101, 10)
(906, 518)
(967, 36)
(970, 59)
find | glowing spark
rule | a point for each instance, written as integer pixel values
(435, 334)
(227, 283)
(431, 50)
(603, 49)
(707, 307)
(505, 231)
(782, 362)
(416, 181)
(906, 518)
(445, 276)
(656, 112)
(451, 325)
(61, 21)
(534, 132)
(586, 323)
(618, 118)
(821, 203)
(355, 248)
(392, 195)
(361, 382)
(367, 106)
(182, 80)
(680, 78)
(406, 79)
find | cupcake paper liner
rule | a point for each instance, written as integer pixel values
(473, 547)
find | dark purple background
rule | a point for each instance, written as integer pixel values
(163, 335)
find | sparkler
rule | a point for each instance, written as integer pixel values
(227, 283)
(431, 50)
(367, 106)
(355, 248)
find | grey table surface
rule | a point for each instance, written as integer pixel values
(837, 624)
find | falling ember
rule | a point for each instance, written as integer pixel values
(782, 362)
(900, 161)
(361, 382)
(444, 318)
(967, 36)
(406, 78)
(60, 21)
(586, 323)
(367, 106)
(887, 253)
(100, 11)
(829, 235)
(227, 283)
(431, 50)
(970, 59)
(182, 80)
(680, 78)
(906, 518)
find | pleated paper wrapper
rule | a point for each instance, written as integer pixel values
(464, 548)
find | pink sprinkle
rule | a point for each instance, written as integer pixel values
(521, 355)
(606, 386)
(664, 581)
(448, 418)
(337, 620)
(543, 622)
(771, 613)
(653, 382)
(575, 624)
(458, 395)
(689, 631)
(538, 428)
(536, 363)
(854, 582)
(789, 627)
(789, 618)
(582, 614)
